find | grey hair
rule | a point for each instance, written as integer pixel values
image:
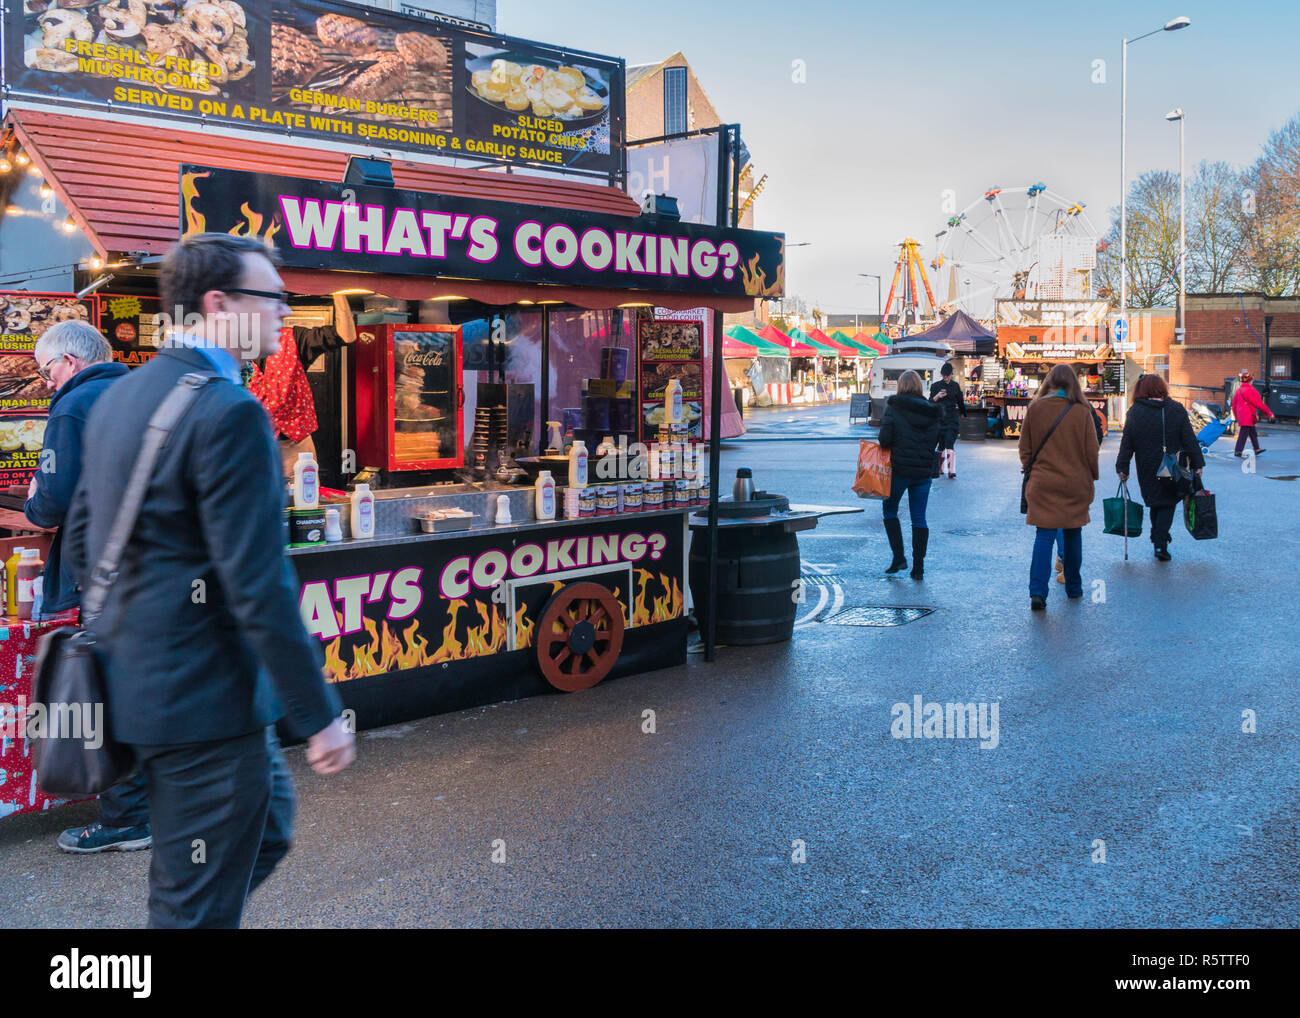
(77, 339)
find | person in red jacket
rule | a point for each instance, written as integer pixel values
(1246, 404)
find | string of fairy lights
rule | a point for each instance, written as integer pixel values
(18, 161)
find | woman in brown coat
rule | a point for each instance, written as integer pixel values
(1060, 437)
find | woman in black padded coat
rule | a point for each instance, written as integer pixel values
(910, 431)
(1156, 423)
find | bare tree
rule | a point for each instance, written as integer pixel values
(1152, 244)
(1270, 204)
(1216, 230)
(1217, 241)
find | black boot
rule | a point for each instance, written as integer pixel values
(894, 531)
(920, 538)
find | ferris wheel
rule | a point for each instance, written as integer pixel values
(1026, 243)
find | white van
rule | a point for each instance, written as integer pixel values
(925, 358)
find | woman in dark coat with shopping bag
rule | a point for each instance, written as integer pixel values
(1060, 438)
(1155, 423)
(910, 431)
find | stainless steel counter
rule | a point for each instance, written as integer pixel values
(478, 529)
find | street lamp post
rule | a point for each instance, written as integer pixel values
(1169, 26)
(1181, 117)
(879, 312)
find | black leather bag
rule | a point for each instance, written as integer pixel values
(1024, 481)
(74, 759)
(70, 673)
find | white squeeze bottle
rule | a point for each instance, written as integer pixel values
(545, 500)
(363, 513)
(578, 464)
(673, 402)
(306, 482)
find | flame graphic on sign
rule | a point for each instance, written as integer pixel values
(252, 225)
(195, 221)
(397, 647)
(755, 279)
(647, 610)
(394, 648)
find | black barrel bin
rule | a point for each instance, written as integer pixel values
(758, 582)
(974, 426)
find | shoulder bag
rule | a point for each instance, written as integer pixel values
(1024, 483)
(69, 665)
(1170, 469)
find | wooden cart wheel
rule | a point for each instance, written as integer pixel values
(580, 636)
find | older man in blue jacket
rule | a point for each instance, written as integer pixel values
(77, 364)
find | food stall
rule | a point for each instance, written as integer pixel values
(444, 611)
(499, 318)
(1035, 336)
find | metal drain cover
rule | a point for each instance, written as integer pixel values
(877, 616)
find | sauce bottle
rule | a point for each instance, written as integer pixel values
(578, 464)
(363, 513)
(306, 482)
(673, 402)
(544, 503)
(28, 570)
(11, 581)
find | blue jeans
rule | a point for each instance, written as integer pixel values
(918, 494)
(1040, 568)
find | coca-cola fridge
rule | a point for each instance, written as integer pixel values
(408, 397)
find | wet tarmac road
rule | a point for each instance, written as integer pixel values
(1120, 722)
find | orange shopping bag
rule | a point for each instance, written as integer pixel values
(874, 472)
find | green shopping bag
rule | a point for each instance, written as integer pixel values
(1123, 515)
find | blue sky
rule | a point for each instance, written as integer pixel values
(905, 99)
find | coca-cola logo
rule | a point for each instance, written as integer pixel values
(424, 359)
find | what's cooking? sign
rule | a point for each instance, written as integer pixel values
(317, 224)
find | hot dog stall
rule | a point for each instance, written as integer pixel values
(459, 327)
(506, 327)
(1033, 337)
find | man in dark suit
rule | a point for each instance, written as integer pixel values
(204, 645)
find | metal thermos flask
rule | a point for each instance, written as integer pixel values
(743, 488)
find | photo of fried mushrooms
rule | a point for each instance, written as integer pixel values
(212, 32)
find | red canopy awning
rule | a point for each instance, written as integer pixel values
(844, 351)
(797, 349)
(120, 182)
(875, 344)
(735, 348)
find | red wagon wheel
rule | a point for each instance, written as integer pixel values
(580, 636)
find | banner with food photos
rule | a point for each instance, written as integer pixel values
(668, 349)
(323, 68)
(24, 396)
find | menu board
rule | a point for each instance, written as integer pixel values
(130, 324)
(670, 349)
(24, 396)
(325, 69)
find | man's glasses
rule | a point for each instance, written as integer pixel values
(279, 295)
(44, 369)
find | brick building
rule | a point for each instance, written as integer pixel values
(667, 98)
(1229, 332)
